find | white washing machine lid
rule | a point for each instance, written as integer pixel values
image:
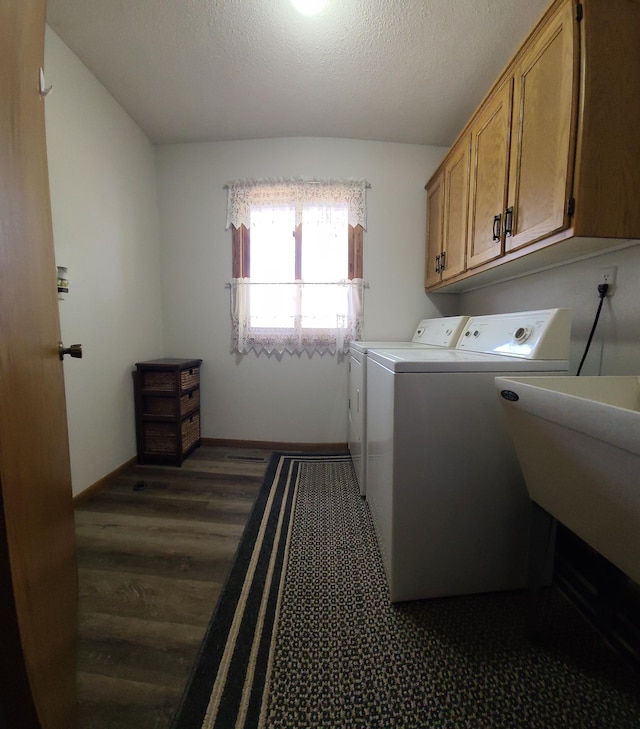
(443, 331)
(456, 360)
(364, 347)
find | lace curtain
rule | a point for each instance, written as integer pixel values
(319, 312)
(281, 329)
(245, 194)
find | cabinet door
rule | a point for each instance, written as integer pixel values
(456, 207)
(543, 143)
(489, 169)
(435, 217)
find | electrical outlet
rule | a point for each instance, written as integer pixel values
(608, 276)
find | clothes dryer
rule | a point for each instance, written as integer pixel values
(446, 493)
(439, 332)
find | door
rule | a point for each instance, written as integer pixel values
(545, 106)
(435, 219)
(38, 576)
(456, 206)
(490, 138)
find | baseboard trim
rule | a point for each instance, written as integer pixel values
(276, 445)
(101, 483)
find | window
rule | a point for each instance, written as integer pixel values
(297, 265)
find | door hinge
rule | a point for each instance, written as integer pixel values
(571, 206)
(579, 12)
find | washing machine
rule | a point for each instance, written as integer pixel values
(445, 490)
(440, 332)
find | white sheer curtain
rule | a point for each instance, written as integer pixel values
(273, 311)
(288, 332)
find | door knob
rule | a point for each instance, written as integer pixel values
(75, 350)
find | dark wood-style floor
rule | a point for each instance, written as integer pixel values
(154, 548)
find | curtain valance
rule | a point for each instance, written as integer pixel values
(245, 194)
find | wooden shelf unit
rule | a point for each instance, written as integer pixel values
(167, 400)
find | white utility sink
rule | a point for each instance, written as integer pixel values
(578, 443)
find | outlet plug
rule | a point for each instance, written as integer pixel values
(608, 276)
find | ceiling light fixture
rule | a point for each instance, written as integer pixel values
(309, 7)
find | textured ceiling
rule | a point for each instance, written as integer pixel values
(386, 70)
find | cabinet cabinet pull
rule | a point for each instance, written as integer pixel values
(438, 269)
(443, 260)
(497, 224)
(508, 221)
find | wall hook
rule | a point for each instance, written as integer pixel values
(44, 90)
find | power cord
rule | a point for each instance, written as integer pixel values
(602, 292)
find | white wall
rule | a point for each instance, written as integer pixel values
(615, 349)
(288, 399)
(105, 224)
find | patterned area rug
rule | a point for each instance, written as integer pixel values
(304, 635)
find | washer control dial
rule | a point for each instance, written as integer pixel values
(521, 334)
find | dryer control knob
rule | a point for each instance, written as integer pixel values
(522, 334)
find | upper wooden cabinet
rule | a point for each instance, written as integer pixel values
(435, 216)
(555, 148)
(490, 142)
(543, 139)
(447, 205)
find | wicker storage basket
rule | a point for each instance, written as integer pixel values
(189, 378)
(167, 406)
(160, 438)
(160, 381)
(166, 381)
(189, 402)
(190, 431)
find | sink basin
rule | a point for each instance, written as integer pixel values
(578, 443)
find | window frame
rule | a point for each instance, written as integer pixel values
(241, 252)
(308, 332)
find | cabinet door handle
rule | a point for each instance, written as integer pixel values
(443, 260)
(497, 224)
(438, 269)
(508, 221)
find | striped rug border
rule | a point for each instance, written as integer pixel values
(228, 682)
